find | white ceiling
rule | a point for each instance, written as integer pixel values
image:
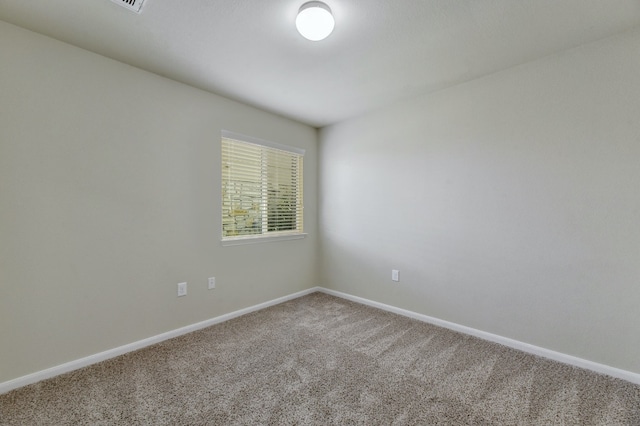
(381, 51)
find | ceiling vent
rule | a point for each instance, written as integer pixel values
(134, 5)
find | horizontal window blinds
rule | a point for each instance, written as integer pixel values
(261, 189)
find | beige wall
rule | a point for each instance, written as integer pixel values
(110, 196)
(509, 204)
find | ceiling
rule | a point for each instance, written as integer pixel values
(380, 52)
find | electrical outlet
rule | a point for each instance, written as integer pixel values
(212, 283)
(395, 275)
(182, 289)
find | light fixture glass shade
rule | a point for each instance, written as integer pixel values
(315, 21)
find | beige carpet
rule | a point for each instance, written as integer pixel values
(321, 360)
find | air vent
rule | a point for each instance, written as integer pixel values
(135, 5)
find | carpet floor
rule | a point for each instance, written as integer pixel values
(322, 360)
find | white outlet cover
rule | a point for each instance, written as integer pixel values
(182, 289)
(212, 283)
(395, 275)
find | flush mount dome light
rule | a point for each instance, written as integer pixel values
(315, 21)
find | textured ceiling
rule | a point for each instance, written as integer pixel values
(380, 52)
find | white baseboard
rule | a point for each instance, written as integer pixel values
(121, 350)
(515, 344)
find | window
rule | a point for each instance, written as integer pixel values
(261, 189)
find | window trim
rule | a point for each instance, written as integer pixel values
(257, 239)
(250, 139)
(274, 235)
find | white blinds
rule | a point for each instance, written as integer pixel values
(261, 189)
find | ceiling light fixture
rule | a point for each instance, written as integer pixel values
(315, 21)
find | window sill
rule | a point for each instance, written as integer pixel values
(261, 239)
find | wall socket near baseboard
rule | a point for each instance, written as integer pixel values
(212, 283)
(395, 275)
(182, 289)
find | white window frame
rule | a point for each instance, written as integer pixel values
(267, 236)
